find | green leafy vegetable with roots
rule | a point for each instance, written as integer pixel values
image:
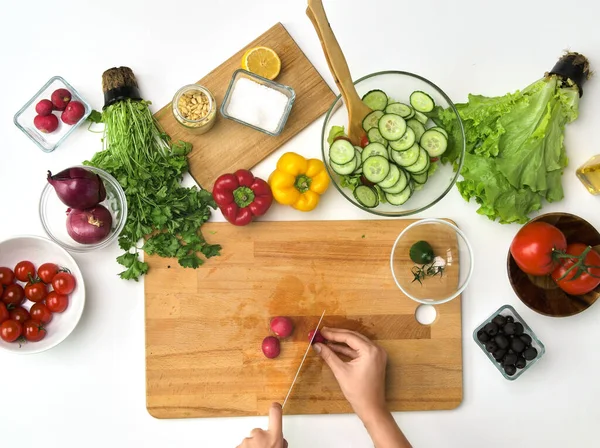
(515, 153)
(150, 168)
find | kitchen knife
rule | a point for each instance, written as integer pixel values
(303, 359)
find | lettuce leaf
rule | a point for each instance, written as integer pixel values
(334, 132)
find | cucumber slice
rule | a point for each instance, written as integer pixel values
(374, 149)
(404, 110)
(371, 120)
(375, 99)
(421, 164)
(434, 142)
(399, 198)
(346, 168)
(341, 152)
(358, 156)
(421, 118)
(440, 129)
(392, 127)
(392, 177)
(407, 140)
(366, 196)
(375, 136)
(398, 186)
(420, 178)
(376, 168)
(421, 101)
(416, 126)
(408, 157)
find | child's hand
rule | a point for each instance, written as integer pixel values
(271, 438)
(362, 379)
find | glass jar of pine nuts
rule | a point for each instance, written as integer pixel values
(195, 108)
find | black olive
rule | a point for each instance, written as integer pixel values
(510, 370)
(482, 336)
(502, 341)
(499, 320)
(520, 364)
(510, 359)
(510, 319)
(491, 346)
(530, 354)
(510, 328)
(526, 338)
(491, 329)
(517, 345)
(499, 354)
(519, 328)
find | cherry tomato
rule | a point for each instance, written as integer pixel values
(364, 141)
(10, 330)
(40, 312)
(587, 280)
(47, 271)
(63, 283)
(4, 314)
(34, 330)
(13, 294)
(57, 303)
(23, 270)
(533, 247)
(37, 291)
(434, 159)
(19, 314)
(7, 276)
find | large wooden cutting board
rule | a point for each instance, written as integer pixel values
(229, 146)
(204, 327)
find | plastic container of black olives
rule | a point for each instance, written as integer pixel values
(505, 311)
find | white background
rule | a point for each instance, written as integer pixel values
(89, 391)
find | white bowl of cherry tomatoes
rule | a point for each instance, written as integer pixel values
(42, 294)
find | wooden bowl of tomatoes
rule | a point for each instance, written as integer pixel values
(42, 294)
(554, 264)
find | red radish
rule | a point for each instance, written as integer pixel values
(318, 337)
(60, 98)
(271, 347)
(282, 326)
(78, 188)
(89, 226)
(44, 107)
(73, 113)
(46, 123)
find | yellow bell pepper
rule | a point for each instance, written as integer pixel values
(299, 182)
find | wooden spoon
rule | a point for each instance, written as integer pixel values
(357, 110)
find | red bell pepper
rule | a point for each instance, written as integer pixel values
(241, 197)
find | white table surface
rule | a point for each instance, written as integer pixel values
(90, 389)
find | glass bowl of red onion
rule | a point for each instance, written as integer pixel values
(83, 208)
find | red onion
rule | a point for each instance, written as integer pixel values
(78, 188)
(89, 226)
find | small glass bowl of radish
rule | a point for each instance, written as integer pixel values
(399, 167)
(89, 227)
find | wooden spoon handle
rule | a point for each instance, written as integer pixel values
(333, 52)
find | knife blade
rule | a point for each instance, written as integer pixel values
(302, 362)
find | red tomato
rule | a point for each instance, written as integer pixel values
(47, 271)
(533, 247)
(23, 270)
(587, 280)
(34, 330)
(13, 294)
(57, 303)
(10, 330)
(40, 312)
(19, 314)
(36, 292)
(63, 283)
(7, 276)
(434, 159)
(364, 141)
(4, 314)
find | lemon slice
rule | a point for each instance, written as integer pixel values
(262, 61)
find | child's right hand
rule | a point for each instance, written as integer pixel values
(362, 379)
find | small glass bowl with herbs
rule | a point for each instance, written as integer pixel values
(431, 261)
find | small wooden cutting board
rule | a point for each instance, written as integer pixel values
(230, 146)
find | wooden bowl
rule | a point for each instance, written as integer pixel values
(541, 294)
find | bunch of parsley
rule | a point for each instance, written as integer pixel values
(150, 168)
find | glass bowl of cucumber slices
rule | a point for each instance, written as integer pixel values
(412, 150)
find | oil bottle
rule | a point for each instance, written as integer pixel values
(589, 174)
